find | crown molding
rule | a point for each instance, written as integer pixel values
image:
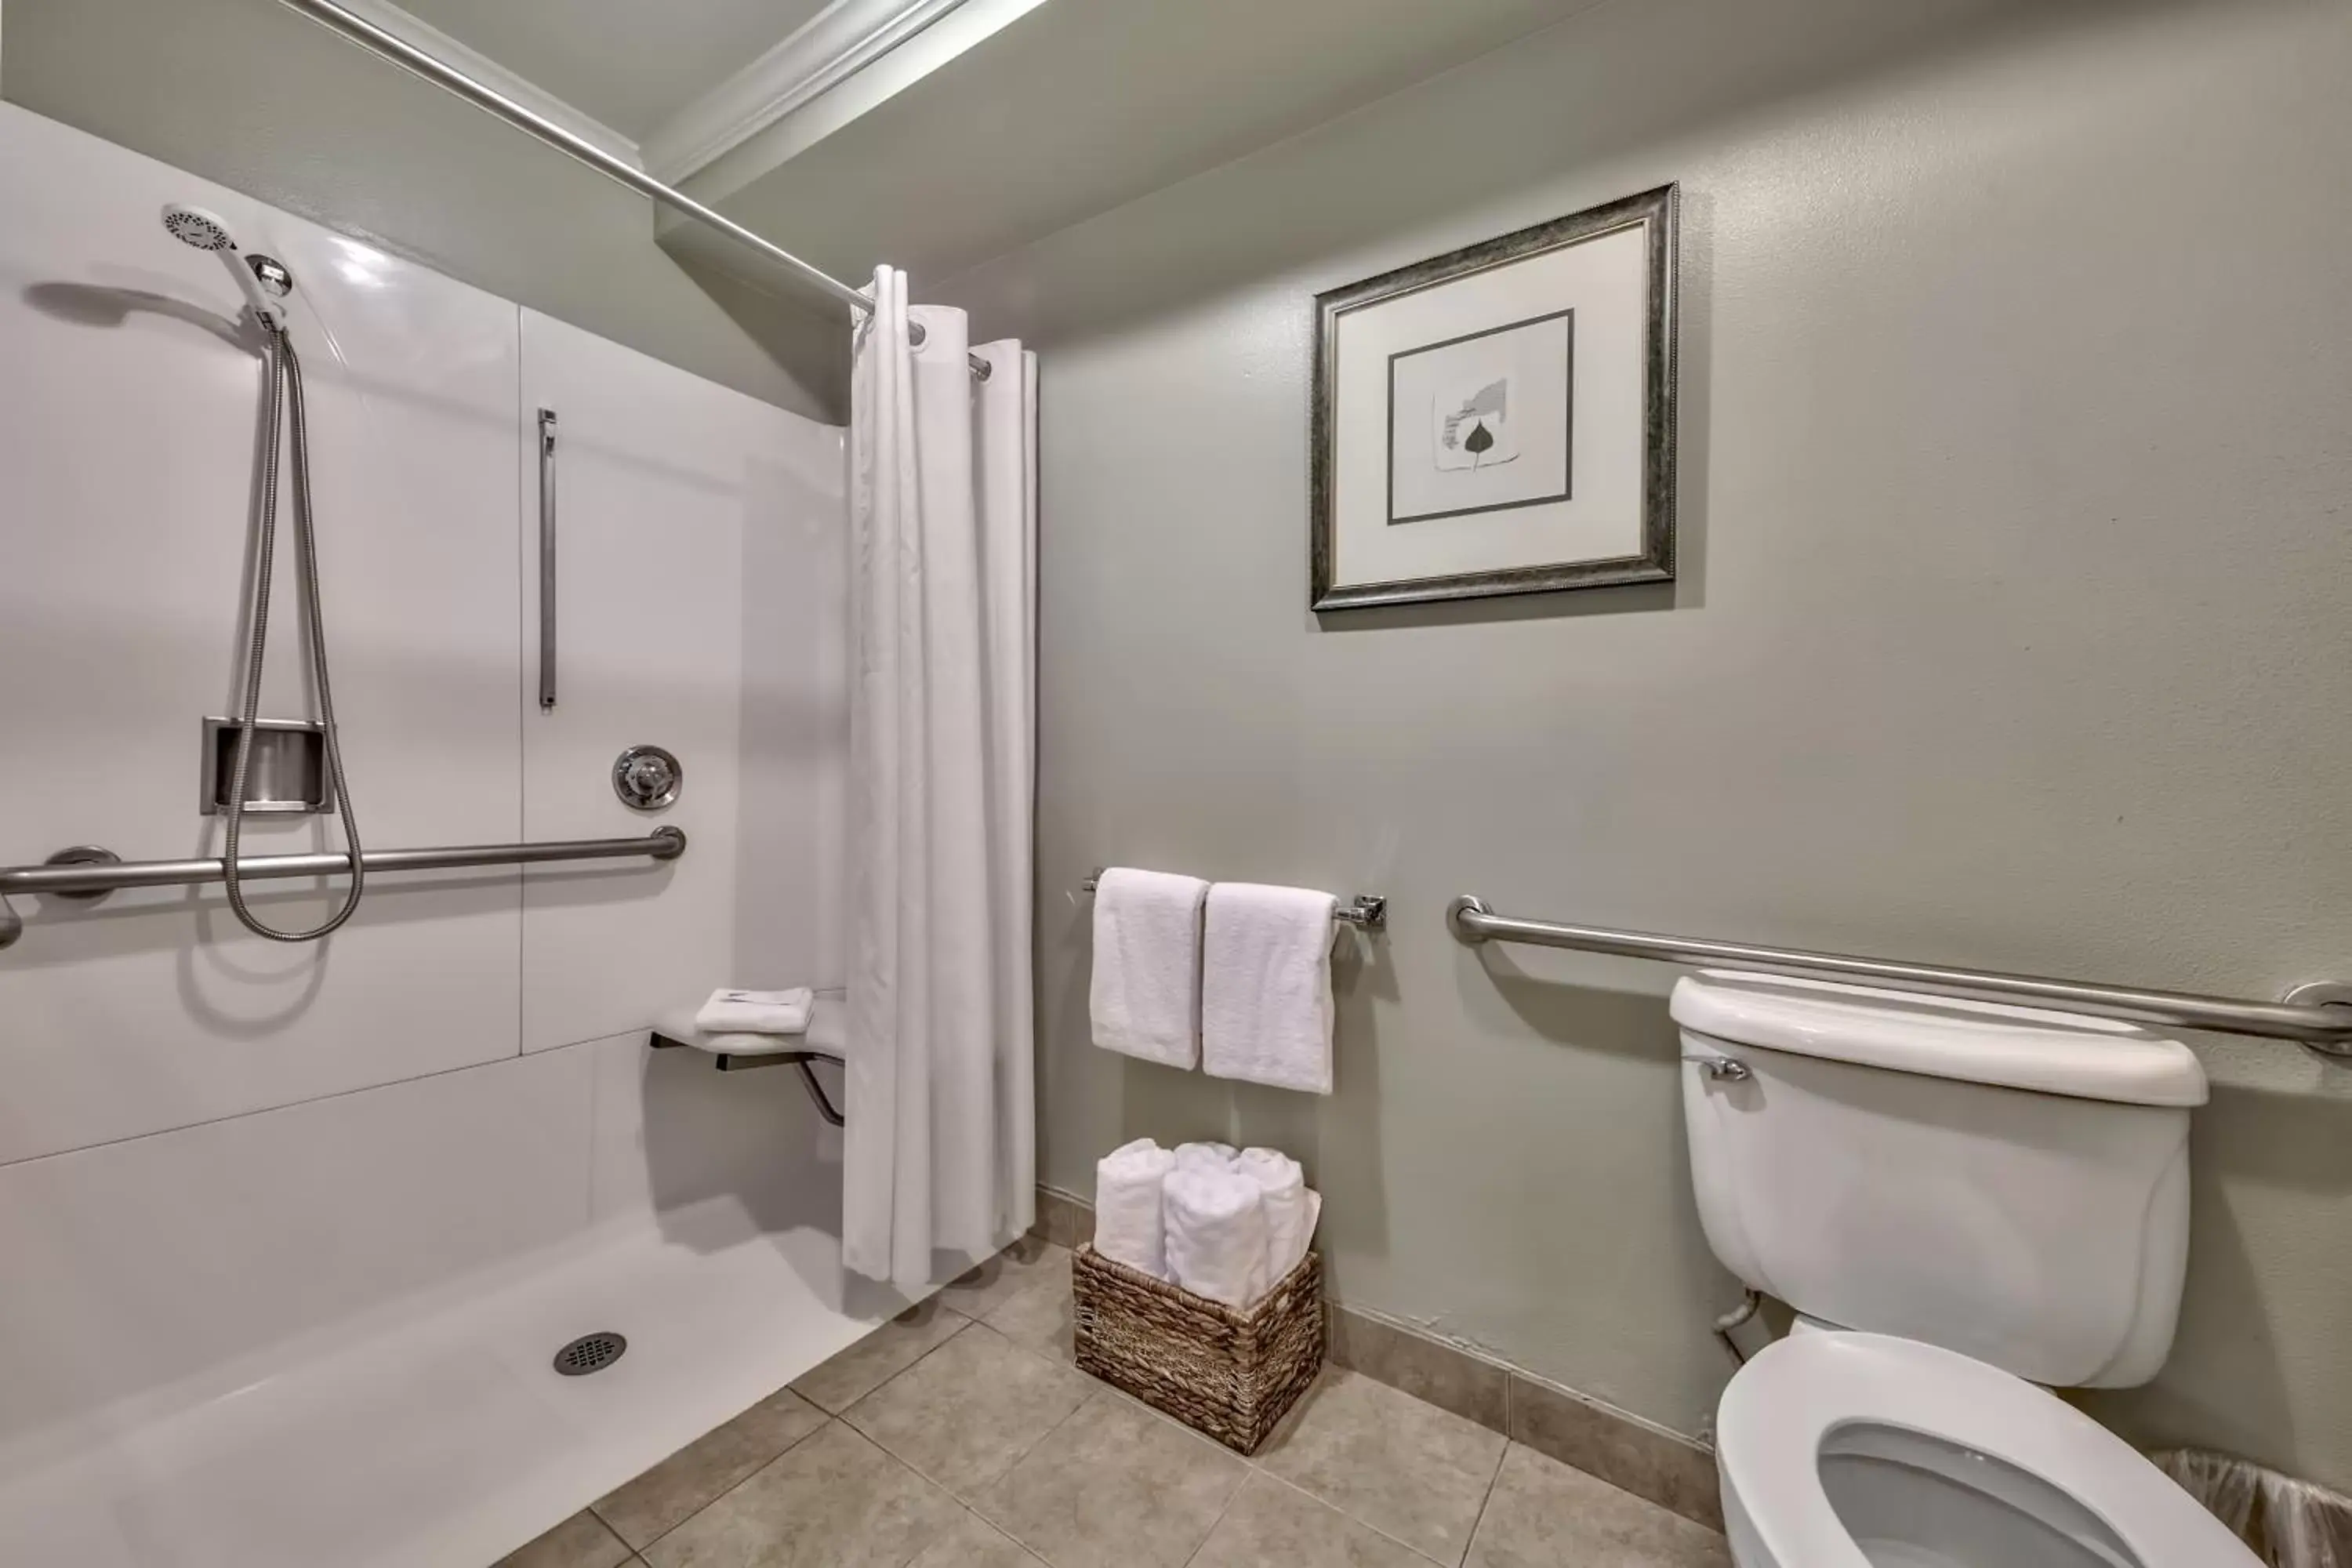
(827, 49)
(490, 74)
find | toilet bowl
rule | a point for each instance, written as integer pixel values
(1839, 1449)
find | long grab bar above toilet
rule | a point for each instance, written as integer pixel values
(2318, 1014)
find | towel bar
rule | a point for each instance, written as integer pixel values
(1365, 911)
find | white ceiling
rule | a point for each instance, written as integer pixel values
(1080, 106)
(937, 133)
(630, 64)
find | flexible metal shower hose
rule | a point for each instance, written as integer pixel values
(285, 373)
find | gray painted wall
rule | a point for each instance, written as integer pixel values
(259, 97)
(2016, 446)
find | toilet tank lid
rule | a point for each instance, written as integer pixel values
(1942, 1036)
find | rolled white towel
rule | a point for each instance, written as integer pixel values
(1216, 1235)
(1205, 1157)
(1290, 1208)
(1127, 1223)
(730, 1012)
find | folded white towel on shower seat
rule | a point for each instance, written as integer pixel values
(1128, 1224)
(1216, 1224)
(1266, 985)
(1146, 994)
(757, 1012)
(827, 1031)
(1205, 1157)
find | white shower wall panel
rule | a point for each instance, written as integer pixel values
(127, 421)
(671, 1132)
(168, 1271)
(291, 1233)
(700, 594)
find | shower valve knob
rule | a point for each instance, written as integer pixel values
(646, 778)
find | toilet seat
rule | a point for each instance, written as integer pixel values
(1785, 1404)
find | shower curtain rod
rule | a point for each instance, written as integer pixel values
(401, 52)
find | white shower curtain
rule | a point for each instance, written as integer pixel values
(939, 1154)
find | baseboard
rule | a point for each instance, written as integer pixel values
(1621, 1448)
(1063, 1219)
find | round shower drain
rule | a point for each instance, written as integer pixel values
(590, 1353)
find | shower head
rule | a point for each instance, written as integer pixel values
(194, 227)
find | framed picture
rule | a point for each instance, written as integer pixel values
(1500, 420)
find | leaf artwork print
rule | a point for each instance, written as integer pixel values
(1473, 424)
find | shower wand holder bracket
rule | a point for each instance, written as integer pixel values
(287, 776)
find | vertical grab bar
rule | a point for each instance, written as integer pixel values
(546, 558)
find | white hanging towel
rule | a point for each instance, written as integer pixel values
(757, 1012)
(1216, 1234)
(1128, 1225)
(1146, 998)
(1290, 1207)
(1266, 985)
(1205, 1157)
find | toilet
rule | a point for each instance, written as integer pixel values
(1965, 1203)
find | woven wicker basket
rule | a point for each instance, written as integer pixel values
(1231, 1374)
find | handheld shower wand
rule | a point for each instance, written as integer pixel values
(262, 279)
(264, 282)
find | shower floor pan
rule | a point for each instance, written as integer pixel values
(444, 1439)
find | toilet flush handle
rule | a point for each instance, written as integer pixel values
(1727, 1069)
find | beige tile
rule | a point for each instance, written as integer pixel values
(881, 1355)
(1542, 1513)
(976, 1543)
(580, 1541)
(1429, 1369)
(833, 1499)
(1272, 1524)
(1110, 1486)
(1409, 1470)
(1041, 1317)
(1622, 1449)
(1028, 1261)
(966, 1413)
(645, 1508)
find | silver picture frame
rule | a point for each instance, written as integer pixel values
(1657, 212)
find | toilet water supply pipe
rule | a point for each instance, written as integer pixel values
(1738, 1315)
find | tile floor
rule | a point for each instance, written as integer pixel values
(962, 1435)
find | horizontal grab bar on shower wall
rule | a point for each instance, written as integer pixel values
(2313, 1014)
(90, 873)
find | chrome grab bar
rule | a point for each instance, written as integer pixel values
(88, 876)
(546, 559)
(2315, 1014)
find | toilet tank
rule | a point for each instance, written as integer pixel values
(2004, 1181)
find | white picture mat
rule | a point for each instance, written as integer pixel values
(1603, 280)
(1536, 359)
